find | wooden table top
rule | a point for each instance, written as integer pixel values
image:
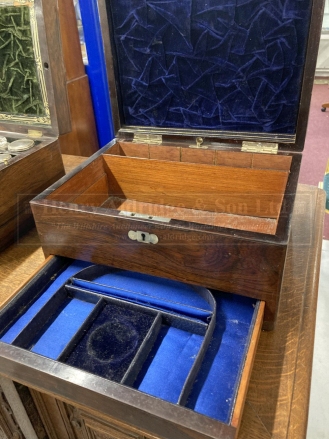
(278, 395)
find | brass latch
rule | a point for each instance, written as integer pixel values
(260, 147)
(149, 139)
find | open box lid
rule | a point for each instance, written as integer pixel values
(32, 69)
(239, 70)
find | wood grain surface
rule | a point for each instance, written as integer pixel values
(203, 156)
(25, 177)
(231, 221)
(189, 185)
(74, 110)
(277, 400)
(214, 260)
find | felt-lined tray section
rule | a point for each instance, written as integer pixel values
(53, 326)
(112, 337)
(162, 294)
(177, 334)
(115, 343)
(216, 386)
(35, 295)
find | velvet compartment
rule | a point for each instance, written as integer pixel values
(234, 66)
(109, 346)
(150, 348)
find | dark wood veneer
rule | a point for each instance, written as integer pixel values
(79, 217)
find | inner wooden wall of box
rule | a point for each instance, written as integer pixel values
(127, 187)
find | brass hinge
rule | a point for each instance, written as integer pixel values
(150, 139)
(35, 134)
(260, 147)
(198, 144)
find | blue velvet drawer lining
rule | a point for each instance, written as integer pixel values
(171, 355)
(159, 292)
(109, 345)
(144, 298)
(56, 337)
(224, 360)
(169, 363)
(18, 326)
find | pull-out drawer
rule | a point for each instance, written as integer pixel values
(163, 357)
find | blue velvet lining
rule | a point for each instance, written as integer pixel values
(205, 64)
(59, 333)
(215, 386)
(21, 323)
(149, 290)
(110, 344)
(169, 363)
(172, 356)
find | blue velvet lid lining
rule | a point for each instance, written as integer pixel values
(234, 66)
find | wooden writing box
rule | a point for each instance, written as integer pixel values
(210, 105)
(145, 353)
(34, 104)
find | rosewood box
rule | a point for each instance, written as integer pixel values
(164, 358)
(30, 100)
(210, 105)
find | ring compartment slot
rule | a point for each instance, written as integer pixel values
(109, 346)
(35, 295)
(55, 324)
(224, 361)
(182, 322)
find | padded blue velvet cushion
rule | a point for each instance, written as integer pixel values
(21, 323)
(224, 359)
(63, 328)
(233, 65)
(164, 372)
(156, 292)
(169, 363)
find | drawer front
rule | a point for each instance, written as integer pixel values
(231, 264)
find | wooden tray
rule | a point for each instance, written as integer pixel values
(238, 321)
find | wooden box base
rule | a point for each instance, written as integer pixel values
(212, 217)
(134, 411)
(21, 178)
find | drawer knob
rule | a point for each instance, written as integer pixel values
(146, 238)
